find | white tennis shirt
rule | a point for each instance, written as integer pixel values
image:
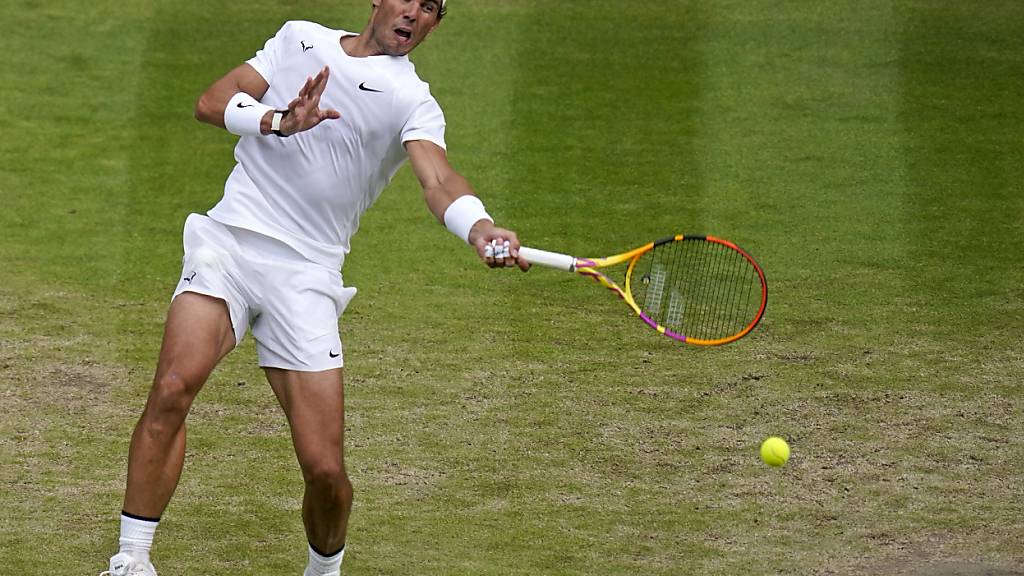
(310, 189)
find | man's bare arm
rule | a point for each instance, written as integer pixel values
(211, 103)
(304, 111)
(442, 185)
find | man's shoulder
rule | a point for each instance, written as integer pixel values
(403, 73)
(308, 27)
(410, 87)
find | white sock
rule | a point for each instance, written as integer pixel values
(324, 565)
(137, 536)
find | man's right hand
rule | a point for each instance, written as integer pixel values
(304, 111)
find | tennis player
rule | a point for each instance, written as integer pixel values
(326, 118)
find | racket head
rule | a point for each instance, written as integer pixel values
(700, 290)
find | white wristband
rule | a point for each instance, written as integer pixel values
(244, 115)
(463, 213)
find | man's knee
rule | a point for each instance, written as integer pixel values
(169, 401)
(328, 478)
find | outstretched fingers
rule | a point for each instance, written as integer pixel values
(304, 110)
(307, 86)
(321, 80)
(315, 86)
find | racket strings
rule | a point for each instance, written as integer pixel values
(697, 288)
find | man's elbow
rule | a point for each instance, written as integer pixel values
(206, 109)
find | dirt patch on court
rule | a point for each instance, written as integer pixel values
(942, 561)
(917, 568)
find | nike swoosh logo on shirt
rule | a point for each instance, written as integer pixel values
(364, 88)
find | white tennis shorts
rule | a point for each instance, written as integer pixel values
(291, 304)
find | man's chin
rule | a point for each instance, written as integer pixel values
(399, 50)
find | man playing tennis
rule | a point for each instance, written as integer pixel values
(268, 256)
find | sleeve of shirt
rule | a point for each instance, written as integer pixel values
(425, 123)
(265, 61)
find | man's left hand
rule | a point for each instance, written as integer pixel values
(497, 247)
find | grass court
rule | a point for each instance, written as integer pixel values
(869, 154)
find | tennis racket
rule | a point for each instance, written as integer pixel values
(700, 290)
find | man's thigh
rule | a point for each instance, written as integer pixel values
(197, 335)
(314, 403)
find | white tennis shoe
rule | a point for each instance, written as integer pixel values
(309, 572)
(124, 565)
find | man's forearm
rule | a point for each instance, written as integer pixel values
(213, 102)
(441, 194)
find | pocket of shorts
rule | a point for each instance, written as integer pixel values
(324, 284)
(345, 295)
(341, 294)
(203, 245)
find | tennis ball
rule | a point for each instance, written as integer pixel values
(206, 257)
(774, 451)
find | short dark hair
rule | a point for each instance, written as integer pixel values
(442, 11)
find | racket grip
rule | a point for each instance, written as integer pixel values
(549, 259)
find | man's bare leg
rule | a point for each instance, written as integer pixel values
(197, 335)
(314, 403)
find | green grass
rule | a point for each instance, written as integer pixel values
(502, 423)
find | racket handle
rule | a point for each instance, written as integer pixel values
(549, 259)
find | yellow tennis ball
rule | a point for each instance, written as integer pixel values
(774, 451)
